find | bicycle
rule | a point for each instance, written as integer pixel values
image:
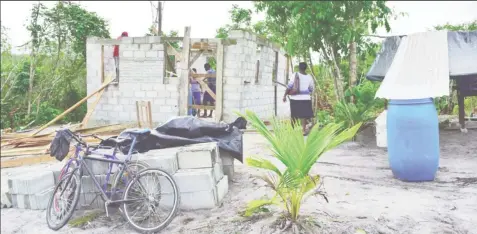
(72, 163)
(69, 187)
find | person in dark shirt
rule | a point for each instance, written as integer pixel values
(208, 100)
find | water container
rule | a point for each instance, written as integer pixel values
(413, 139)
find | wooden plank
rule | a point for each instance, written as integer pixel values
(196, 56)
(71, 108)
(207, 89)
(102, 64)
(172, 39)
(219, 83)
(84, 123)
(184, 78)
(25, 161)
(201, 75)
(202, 107)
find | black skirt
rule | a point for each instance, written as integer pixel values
(301, 109)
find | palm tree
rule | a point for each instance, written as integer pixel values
(289, 146)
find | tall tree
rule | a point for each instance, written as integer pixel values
(331, 28)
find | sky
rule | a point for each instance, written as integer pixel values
(206, 17)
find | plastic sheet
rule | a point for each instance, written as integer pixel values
(188, 130)
(462, 52)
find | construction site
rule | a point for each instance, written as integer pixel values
(232, 175)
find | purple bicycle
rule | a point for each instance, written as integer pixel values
(136, 186)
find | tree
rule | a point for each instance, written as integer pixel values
(327, 27)
(55, 69)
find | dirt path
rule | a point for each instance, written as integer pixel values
(362, 195)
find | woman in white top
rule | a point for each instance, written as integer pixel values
(300, 101)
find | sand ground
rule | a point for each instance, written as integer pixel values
(363, 195)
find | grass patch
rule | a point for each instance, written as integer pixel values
(83, 220)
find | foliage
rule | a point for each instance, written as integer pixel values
(295, 183)
(52, 77)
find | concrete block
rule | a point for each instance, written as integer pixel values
(152, 54)
(40, 200)
(167, 163)
(90, 201)
(218, 171)
(145, 47)
(6, 200)
(31, 183)
(198, 156)
(158, 47)
(151, 94)
(193, 180)
(127, 54)
(229, 171)
(88, 186)
(97, 167)
(193, 200)
(139, 94)
(153, 39)
(139, 54)
(20, 201)
(139, 40)
(127, 40)
(222, 189)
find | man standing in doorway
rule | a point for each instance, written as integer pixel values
(116, 55)
(208, 100)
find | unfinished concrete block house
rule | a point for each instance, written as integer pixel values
(246, 68)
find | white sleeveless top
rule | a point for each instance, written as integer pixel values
(307, 85)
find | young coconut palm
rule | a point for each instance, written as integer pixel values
(298, 155)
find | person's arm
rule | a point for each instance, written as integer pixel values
(311, 87)
(289, 87)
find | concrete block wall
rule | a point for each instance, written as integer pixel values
(141, 66)
(241, 92)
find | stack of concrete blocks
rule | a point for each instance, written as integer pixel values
(141, 78)
(241, 92)
(197, 169)
(30, 190)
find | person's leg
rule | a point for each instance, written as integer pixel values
(211, 111)
(303, 126)
(196, 97)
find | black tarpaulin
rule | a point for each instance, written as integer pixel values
(188, 130)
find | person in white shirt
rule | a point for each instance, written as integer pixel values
(299, 89)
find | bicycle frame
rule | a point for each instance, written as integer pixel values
(111, 159)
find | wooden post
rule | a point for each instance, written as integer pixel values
(102, 64)
(184, 78)
(275, 79)
(219, 104)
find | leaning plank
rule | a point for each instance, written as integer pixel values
(71, 108)
(207, 89)
(90, 112)
(203, 75)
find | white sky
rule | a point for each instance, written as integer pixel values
(135, 17)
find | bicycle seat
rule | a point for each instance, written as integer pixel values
(137, 132)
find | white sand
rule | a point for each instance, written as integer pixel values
(359, 184)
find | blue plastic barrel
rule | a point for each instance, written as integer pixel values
(413, 139)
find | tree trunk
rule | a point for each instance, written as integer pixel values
(338, 79)
(32, 77)
(352, 67)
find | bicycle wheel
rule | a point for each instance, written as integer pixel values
(63, 201)
(145, 195)
(120, 181)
